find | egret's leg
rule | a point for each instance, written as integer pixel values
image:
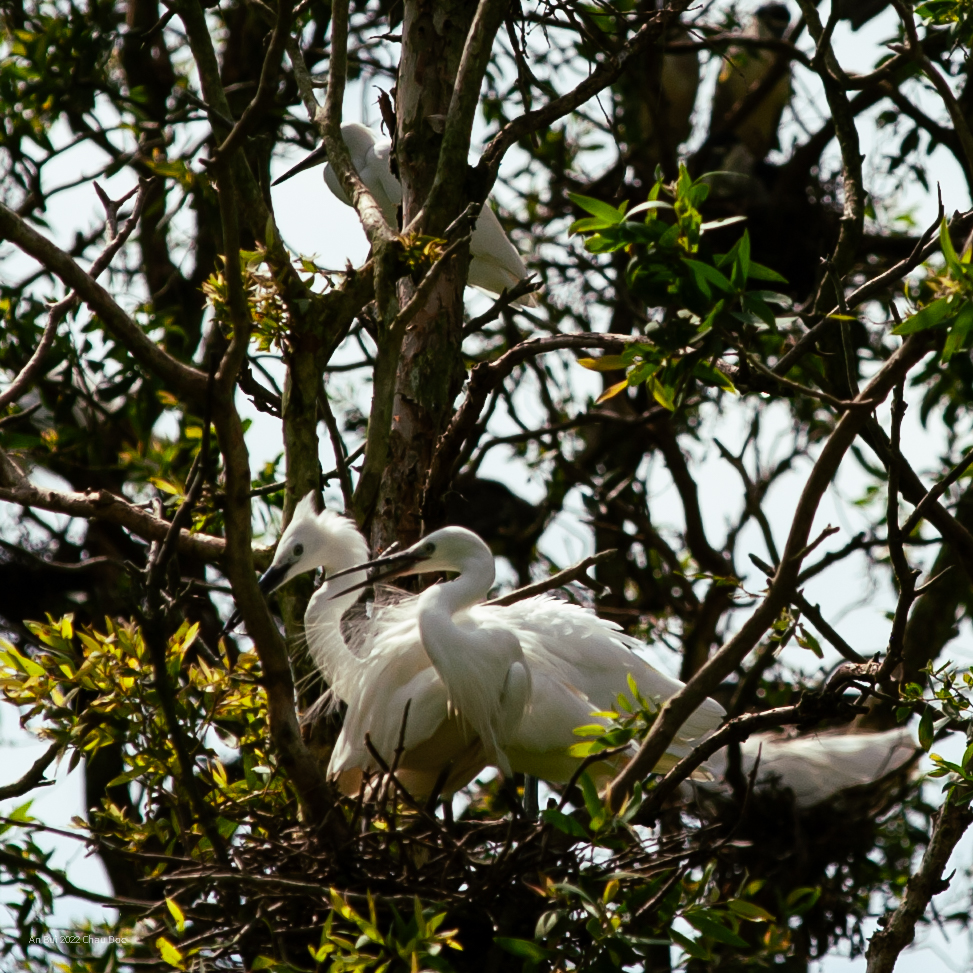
(530, 796)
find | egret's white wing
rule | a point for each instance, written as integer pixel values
(595, 657)
(495, 262)
(816, 767)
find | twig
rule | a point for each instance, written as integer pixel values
(25, 378)
(427, 285)
(905, 575)
(899, 928)
(183, 379)
(589, 761)
(338, 448)
(253, 113)
(929, 500)
(34, 777)
(577, 572)
(814, 616)
(507, 296)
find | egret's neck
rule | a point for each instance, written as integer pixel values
(472, 586)
(339, 598)
(334, 184)
(322, 620)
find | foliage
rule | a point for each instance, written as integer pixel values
(755, 289)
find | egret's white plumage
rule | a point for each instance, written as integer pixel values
(818, 766)
(376, 684)
(504, 685)
(495, 263)
(576, 662)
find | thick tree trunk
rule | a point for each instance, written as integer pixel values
(430, 369)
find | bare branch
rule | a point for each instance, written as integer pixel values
(577, 572)
(677, 710)
(254, 112)
(189, 382)
(34, 777)
(608, 72)
(899, 929)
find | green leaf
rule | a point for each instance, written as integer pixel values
(606, 363)
(756, 306)
(592, 801)
(523, 948)
(802, 899)
(265, 962)
(926, 732)
(661, 394)
(760, 272)
(747, 910)
(931, 316)
(693, 947)
(610, 393)
(959, 332)
(715, 930)
(743, 254)
(589, 730)
(709, 273)
(718, 224)
(604, 211)
(711, 375)
(807, 641)
(564, 822)
(170, 954)
(651, 204)
(176, 914)
(952, 260)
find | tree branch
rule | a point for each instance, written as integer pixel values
(102, 505)
(188, 382)
(900, 928)
(677, 709)
(254, 112)
(577, 572)
(34, 777)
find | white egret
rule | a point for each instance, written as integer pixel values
(527, 674)
(495, 263)
(577, 663)
(376, 687)
(817, 766)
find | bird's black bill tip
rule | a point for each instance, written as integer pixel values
(318, 156)
(273, 578)
(389, 567)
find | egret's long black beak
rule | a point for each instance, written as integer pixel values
(390, 566)
(319, 155)
(273, 578)
(268, 582)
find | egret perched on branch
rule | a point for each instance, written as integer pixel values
(495, 263)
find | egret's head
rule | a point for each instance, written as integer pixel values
(359, 140)
(313, 540)
(448, 549)
(772, 19)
